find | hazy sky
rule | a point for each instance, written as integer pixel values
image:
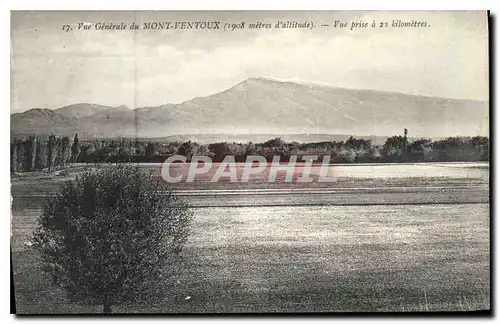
(52, 68)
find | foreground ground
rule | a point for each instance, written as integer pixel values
(332, 253)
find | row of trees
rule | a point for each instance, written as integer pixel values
(395, 149)
(34, 154)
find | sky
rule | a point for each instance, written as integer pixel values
(52, 68)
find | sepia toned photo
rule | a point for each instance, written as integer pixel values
(250, 162)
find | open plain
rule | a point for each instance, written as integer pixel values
(412, 237)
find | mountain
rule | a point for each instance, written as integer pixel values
(84, 110)
(269, 106)
(40, 121)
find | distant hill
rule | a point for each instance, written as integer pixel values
(259, 106)
(85, 109)
(41, 121)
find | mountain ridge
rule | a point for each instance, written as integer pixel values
(265, 105)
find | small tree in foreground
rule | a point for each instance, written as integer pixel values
(112, 237)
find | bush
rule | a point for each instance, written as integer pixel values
(112, 237)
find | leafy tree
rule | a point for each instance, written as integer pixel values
(481, 144)
(30, 150)
(52, 151)
(87, 153)
(358, 144)
(20, 153)
(349, 155)
(14, 158)
(112, 237)
(276, 142)
(41, 155)
(75, 148)
(187, 149)
(250, 149)
(64, 154)
(150, 149)
(419, 146)
(419, 150)
(478, 141)
(394, 148)
(220, 150)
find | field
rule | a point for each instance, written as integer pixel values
(382, 238)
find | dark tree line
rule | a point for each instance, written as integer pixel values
(452, 149)
(34, 154)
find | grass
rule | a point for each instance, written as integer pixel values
(305, 259)
(473, 303)
(301, 258)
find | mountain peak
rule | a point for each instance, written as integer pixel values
(291, 80)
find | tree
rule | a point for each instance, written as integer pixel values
(65, 153)
(405, 150)
(30, 149)
(359, 144)
(219, 150)
(150, 149)
(250, 149)
(349, 155)
(14, 162)
(52, 151)
(187, 149)
(419, 150)
(394, 148)
(75, 149)
(41, 155)
(20, 155)
(276, 142)
(112, 237)
(87, 153)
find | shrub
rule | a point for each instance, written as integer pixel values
(112, 237)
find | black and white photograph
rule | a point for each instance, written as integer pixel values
(250, 162)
